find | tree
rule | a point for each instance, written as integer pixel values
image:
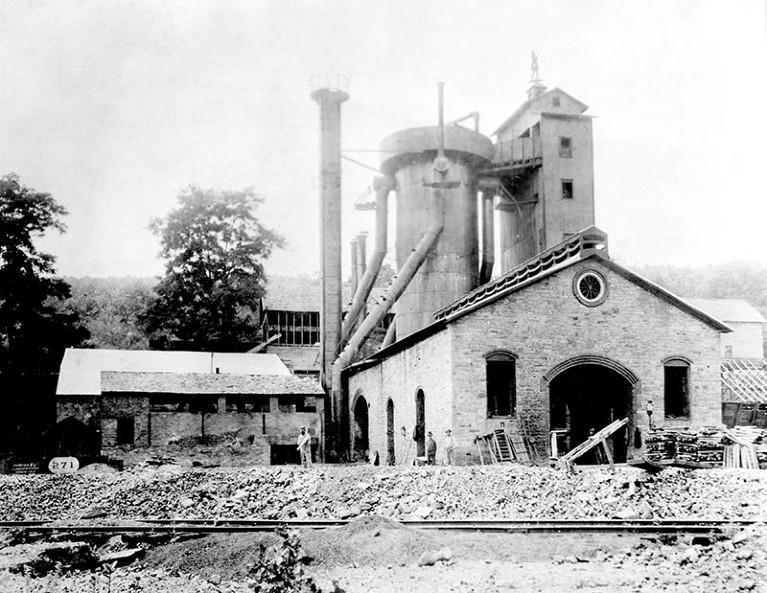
(214, 279)
(35, 326)
(111, 308)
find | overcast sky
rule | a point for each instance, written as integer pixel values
(113, 107)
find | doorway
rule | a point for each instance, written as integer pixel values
(420, 423)
(390, 458)
(360, 442)
(587, 397)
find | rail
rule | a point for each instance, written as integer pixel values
(203, 526)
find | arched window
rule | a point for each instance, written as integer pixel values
(501, 375)
(676, 388)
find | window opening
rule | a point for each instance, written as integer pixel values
(501, 377)
(567, 189)
(676, 389)
(565, 147)
(125, 431)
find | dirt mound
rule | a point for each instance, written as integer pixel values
(370, 540)
(228, 556)
(98, 468)
(370, 524)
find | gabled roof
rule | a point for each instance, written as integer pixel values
(80, 372)
(589, 243)
(207, 384)
(729, 310)
(531, 104)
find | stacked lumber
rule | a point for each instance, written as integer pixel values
(710, 446)
(660, 446)
(704, 446)
(741, 452)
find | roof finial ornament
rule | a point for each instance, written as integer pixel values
(534, 74)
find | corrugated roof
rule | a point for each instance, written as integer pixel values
(80, 372)
(207, 384)
(735, 310)
(744, 380)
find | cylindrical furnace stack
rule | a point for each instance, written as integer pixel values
(430, 191)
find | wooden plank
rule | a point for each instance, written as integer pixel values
(593, 441)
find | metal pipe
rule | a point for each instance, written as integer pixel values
(361, 254)
(391, 335)
(397, 286)
(382, 186)
(441, 124)
(488, 239)
(355, 277)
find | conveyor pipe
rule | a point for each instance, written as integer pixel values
(383, 186)
(397, 286)
(488, 239)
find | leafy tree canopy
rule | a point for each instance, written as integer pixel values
(111, 309)
(35, 326)
(214, 280)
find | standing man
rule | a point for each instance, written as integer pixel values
(305, 447)
(431, 449)
(448, 444)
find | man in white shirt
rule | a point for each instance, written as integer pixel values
(305, 447)
(448, 444)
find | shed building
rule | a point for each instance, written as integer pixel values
(141, 399)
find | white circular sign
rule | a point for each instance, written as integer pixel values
(63, 465)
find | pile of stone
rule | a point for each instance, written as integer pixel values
(504, 492)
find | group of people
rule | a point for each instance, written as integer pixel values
(304, 446)
(448, 445)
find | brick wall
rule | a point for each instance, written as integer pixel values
(544, 325)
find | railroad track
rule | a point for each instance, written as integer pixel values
(224, 526)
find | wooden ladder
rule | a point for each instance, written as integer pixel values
(503, 447)
(519, 446)
(529, 440)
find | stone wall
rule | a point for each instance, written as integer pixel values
(250, 432)
(544, 326)
(425, 366)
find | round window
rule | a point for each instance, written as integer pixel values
(590, 287)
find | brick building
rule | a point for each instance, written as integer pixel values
(139, 399)
(569, 340)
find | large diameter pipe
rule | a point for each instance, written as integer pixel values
(488, 239)
(376, 315)
(391, 335)
(361, 254)
(329, 100)
(383, 186)
(355, 277)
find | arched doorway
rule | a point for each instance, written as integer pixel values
(588, 396)
(420, 423)
(360, 442)
(390, 459)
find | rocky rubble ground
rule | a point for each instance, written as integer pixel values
(512, 492)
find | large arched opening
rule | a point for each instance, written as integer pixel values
(585, 396)
(360, 441)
